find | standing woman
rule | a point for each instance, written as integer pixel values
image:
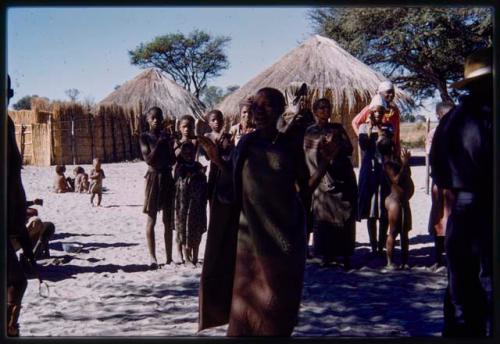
(373, 186)
(335, 193)
(271, 242)
(157, 151)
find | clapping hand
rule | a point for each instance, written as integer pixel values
(405, 156)
(328, 147)
(209, 147)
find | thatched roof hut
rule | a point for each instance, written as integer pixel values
(152, 88)
(330, 72)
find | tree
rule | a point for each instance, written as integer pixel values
(25, 102)
(72, 94)
(212, 95)
(190, 60)
(422, 49)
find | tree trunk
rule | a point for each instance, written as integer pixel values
(443, 92)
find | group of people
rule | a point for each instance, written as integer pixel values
(82, 182)
(285, 171)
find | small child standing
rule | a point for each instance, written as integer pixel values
(397, 203)
(96, 176)
(190, 203)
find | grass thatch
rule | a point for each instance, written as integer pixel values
(152, 88)
(330, 72)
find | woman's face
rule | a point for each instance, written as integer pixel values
(154, 120)
(388, 95)
(186, 128)
(322, 113)
(215, 122)
(263, 112)
(245, 115)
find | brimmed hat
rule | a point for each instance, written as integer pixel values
(477, 66)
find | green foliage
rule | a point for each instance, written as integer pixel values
(190, 60)
(24, 103)
(212, 95)
(422, 49)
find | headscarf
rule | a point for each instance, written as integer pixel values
(385, 86)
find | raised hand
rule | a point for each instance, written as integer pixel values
(209, 147)
(405, 156)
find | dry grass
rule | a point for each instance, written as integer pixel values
(152, 88)
(330, 72)
(413, 135)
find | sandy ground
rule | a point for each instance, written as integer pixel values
(107, 289)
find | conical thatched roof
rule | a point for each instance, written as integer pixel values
(152, 88)
(330, 72)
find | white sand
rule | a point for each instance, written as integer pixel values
(107, 290)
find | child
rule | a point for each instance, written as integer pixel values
(96, 175)
(397, 203)
(190, 203)
(224, 144)
(61, 184)
(186, 131)
(81, 180)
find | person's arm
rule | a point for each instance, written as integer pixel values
(151, 156)
(328, 151)
(346, 145)
(93, 174)
(102, 174)
(360, 118)
(212, 152)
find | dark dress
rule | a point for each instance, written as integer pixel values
(461, 159)
(271, 237)
(334, 201)
(190, 203)
(159, 183)
(373, 185)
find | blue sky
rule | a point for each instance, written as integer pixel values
(53, 49)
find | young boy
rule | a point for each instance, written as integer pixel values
(81, 180)
(96, 176)
(186, 131)
(190, 203)
(397, 203)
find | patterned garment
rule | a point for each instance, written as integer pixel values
(190, 206)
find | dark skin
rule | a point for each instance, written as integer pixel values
(374, 126)
(97, 167)
(151, 151)
(186, 129)
(190, 253)
(399, 194)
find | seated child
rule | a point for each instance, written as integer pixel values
(96, 177)
(190, 203)
(39, 232)
(81, 180)
(397, 203)
(61, 183)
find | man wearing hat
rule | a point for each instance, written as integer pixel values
(461, 160)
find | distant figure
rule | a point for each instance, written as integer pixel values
(158, 153)
(442, 199)
(334, 198)
(245, 126)
(61, 183)
(190, 203)
(271, 236)
(186, 131)
(81, 180)
(461, 161)
(384, 97)
(397, 203)
(96, 177)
